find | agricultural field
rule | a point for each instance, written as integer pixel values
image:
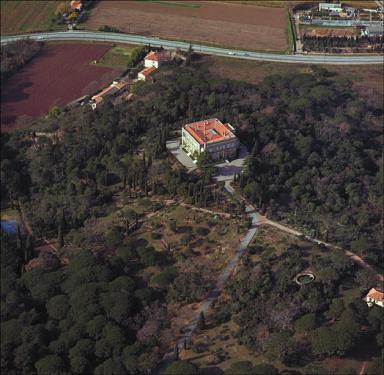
(53, 78)
(214, 23)
(28, 16)
(367, 80)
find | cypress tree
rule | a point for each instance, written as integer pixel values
(201, 322)
(18, 238)
(60, 236)
(176, 352)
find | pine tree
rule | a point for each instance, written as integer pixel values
(201, 322)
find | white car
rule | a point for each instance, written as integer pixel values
(231, 53)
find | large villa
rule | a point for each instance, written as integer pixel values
(212, 136)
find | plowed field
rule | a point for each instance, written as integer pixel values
(58, 75)
(227, 24)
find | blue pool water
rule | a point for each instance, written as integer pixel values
(9, 226)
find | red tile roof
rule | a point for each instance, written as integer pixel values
(376, 295)
(147, 71)
(211, 130)
(156, 56)
(76, 4)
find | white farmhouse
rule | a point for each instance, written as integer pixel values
(155, 59)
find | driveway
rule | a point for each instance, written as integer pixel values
(173, 146)
(226, 171)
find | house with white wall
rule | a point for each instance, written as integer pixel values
(375, 297)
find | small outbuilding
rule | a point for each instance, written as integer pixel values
(144, 74)
(375, 297)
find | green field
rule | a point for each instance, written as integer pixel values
(116, 57)
(28, 16)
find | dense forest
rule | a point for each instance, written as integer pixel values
(15, 55)
(314, 161)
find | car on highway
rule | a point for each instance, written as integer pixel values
(231, 53)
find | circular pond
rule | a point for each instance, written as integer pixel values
(304, 278)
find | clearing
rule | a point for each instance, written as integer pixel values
(27, 16)
(232, 25)
(52, 78)
(219, 345)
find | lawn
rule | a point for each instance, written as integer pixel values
(28, 16)
(117, 56)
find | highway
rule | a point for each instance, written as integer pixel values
(157, 42)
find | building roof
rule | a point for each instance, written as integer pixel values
(157, 56)
(76, 4)
(147, 71)
(211, 130)
(376, 295)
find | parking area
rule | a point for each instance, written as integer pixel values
(173, 146)
(225, 170)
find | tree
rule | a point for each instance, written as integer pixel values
(60, 9)
(79, 364)
(240, 368)
(201, 321)
(360, 245)
(335, 309)
(60, 236)
(58, 306)
(176, 352)
(281, 346)
(51, 364)
(180, 367)
(54, 112)
(306, 323)
(265, 369)
(324, 341)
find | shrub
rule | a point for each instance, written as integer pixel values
(203, 231)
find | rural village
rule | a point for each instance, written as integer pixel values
(169, 211)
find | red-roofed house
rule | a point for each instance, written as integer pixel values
(376, 297)
(211, 136)
(76, 5)
(155, 59)
(143, 75)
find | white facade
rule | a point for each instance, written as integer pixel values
(330, 6)
(190, 144)
(151, 63)
(375, 297)
(221, 149)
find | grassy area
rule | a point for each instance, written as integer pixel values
(9, 214)
(117, 56)
(28, 16)
(290, 34)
